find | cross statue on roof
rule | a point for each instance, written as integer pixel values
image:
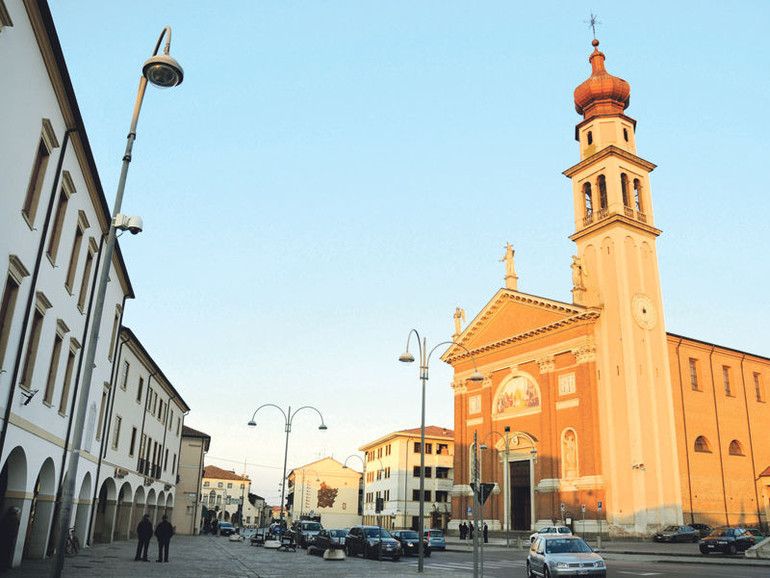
(593, 22)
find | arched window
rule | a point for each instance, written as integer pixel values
(587, 197)
(638, 194)
(702, 445)
(736, 449)
(590, 138)
(624, 189)
(602, 183)
(625, 134)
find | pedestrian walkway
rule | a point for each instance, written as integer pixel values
(215, 557)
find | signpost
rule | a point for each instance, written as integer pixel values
(599, 537)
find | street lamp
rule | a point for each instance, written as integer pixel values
(162, 71)
(289, 417)
(302, 502)
(363, 479)
(425, 355)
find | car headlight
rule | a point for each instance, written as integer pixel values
(599, 564)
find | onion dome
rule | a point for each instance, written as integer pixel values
(602, 93)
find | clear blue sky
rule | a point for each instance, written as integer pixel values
(333, 174)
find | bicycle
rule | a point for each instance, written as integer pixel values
(72, 545)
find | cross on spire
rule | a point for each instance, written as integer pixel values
(593, 22)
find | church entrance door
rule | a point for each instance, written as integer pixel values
(521, 495)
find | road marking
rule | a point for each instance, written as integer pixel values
(640, 573)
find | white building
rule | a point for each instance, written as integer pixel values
(325, 489)
(227, 496)
(393, 474)
(53, 221)
(140, 420)
(188, 515)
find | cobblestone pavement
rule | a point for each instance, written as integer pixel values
(213, 557)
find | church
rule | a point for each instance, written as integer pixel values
(590, 411)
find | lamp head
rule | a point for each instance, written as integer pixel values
(252, 423)
(323, 427)
(406, 357)
(483, 446)
(476, 376)
(163, 71)
(344, 466)
(507, 429)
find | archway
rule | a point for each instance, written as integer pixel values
(41, 511)
(139, 510)
(160, 510)
(123, 512)
(105, 512)
(13, 489)
(83, 508)
(151, 507)
(170, 506)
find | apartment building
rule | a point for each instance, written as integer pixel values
(325, 489)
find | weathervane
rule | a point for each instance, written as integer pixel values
(593, 22)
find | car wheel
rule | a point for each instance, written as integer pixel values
(704, 551)
(365, 553)
(529, 571)
(546, 572)
(349, 552)
(733, 549)
(426, 554)
(395, 558)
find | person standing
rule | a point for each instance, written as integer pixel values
(461, 527)
(163, 532)
(486, 533)
(144, 533)
(470, 531)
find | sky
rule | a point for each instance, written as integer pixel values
(333, 174)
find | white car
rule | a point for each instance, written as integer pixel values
(551, 531)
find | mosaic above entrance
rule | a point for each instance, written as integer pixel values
(517, 396)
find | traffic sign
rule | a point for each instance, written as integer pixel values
(483, 491)
(583, 508)
(600, 505)
(561, 507)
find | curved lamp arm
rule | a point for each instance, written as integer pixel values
(322, 427)
(407, 357)
(253, 423)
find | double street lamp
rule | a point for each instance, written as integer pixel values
(289, 417)
(425, 356)
(363, 479)
(164, 72)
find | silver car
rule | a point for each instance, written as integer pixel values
(563, 556)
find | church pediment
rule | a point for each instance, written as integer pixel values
(510, 314)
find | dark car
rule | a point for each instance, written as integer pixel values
(677, 534)
(371, 542)
(328, 540)
(758, 534)
(727, 540)
(703, 529)
(226, 529)
(410, 541)
(304, 532)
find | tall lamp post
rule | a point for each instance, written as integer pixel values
(165, 72)
(363, 479)
(425, 355)
(289, 417)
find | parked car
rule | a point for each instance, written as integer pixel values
(304, 532)
(728, 540)
(409, 542)
(550, 530)
(758, 534)
(563, 555)
(226, 529)
(676, 534)
(328, 540)
(703, 529)
(369, 541)
(435, 539)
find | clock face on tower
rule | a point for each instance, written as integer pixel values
(644, 311)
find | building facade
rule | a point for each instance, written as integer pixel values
(188, 513)
(591, 405)
(54, 219)
(326, 490)
(392, 473)
(226, 494)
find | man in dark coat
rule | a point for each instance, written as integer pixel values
(144, 533)
(164, 531)
(486, 533)
(463, 530)
(470, 530)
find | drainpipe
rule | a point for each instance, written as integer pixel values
(719, 437)
(751, 445)
(33, 287)
(684, 425)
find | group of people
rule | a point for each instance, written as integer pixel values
(163, 532)
(466, 531)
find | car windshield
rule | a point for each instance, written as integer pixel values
(338, 533)
(671, 529)
(409, 535)
(312, 527)
(374, 532)
(566, 547)
(435, 533)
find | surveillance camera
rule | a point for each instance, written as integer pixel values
(134, 225)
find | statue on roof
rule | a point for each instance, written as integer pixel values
(511, 280)
(459, 317)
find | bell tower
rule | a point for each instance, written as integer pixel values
(616, 272)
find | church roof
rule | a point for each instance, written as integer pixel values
(535, 316)
(602, 93)
(215, 473)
